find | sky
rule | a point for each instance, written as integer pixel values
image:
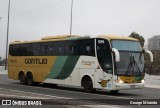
(34, 19)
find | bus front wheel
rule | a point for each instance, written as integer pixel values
(29, 79)
(88, 86)
(22, 78)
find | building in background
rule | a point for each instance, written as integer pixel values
(154, 43)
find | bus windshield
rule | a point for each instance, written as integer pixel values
(126, 45)
(131, 59)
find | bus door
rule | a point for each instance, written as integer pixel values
(105, 67)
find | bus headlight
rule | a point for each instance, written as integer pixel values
(120, 81)
(142, 81)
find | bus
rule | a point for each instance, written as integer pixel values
(105, 62)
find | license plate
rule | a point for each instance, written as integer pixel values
(133, 86)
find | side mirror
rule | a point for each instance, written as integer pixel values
(117, 55)
(150, 54)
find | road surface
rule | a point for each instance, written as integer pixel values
(125, 98)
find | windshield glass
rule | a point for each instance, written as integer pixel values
(131, 58)
(126, 45)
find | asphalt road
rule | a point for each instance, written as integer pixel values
(123, 98)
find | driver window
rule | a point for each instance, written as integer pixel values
(104, 55)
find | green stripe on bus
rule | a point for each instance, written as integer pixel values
(57, 67)
(68, 67)
(63, 67)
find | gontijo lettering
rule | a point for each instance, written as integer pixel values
(35, 61)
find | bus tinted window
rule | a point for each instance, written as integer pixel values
(46, 49)
(87, 47)
(14, 50)
(36, 49)
(25, 50)
(58, 48)
(72, 47)
(61, 48)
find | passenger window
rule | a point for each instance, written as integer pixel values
(87, 47)
(36, 49)
(70, 48)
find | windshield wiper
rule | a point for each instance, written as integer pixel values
(132, 67)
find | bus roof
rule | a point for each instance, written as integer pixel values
(52, 38)
(60, 37)
(75, 37)
(114, 37)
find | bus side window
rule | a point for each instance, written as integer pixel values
(11, 50)
(16, 49)
(36, 49)
(56, 50)
(46, 49)
(76, 48)
(49, 49)
(43, 49)
(23, 50)
(87, 47)
(53, 49)
(29, 50)
(60, 48)
(70, 48)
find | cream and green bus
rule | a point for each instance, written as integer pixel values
(104, 62)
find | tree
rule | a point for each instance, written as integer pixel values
(139, 37)
(155, 70)
(4, 61)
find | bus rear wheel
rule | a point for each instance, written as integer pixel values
(29, 79)
(22, 78)
(88, 85)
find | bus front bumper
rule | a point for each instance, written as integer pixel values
(123, 86)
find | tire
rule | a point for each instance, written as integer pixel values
(29, 79)
(114, 91)
(88, 85)
(22, 78)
